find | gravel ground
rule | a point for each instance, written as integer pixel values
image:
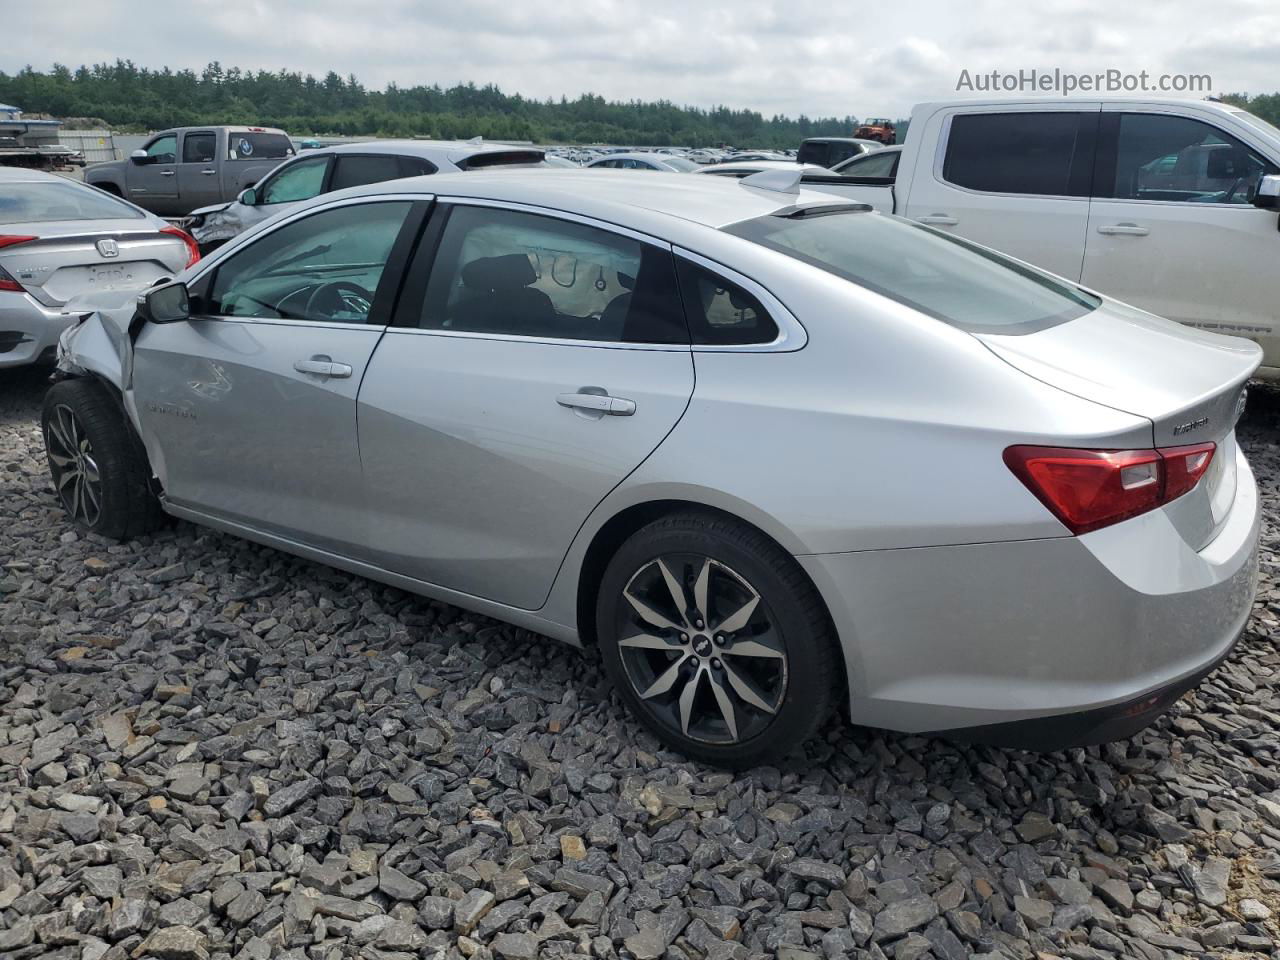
(211, 749)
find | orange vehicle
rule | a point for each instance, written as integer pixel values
(876, 129)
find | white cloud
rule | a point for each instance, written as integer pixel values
(776, 56)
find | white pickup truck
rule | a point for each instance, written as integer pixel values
(1158, 203)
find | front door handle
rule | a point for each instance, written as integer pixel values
(322, 366)
(166, 173)
(938, 220)
(1123, 230)
(208, 173)
(595, 400)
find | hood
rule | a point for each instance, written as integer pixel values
(212, 208)
(1187, 382)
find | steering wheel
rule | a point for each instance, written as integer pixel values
(338, 296)
(1232, 191)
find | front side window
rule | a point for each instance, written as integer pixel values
(298, 181)
(519, 274)
(1168, 158)
(937, 274)
(354, 171)
(1028, 153)
(164, 149)
(198, 147)
(323, 268)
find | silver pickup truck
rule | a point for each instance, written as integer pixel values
(178, 170)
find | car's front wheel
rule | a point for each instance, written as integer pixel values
(716, 640)
(98, 466)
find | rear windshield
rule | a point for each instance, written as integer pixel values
(680, 163)
(942, 276)
(41, 201)
(501, 158)
(246, 145)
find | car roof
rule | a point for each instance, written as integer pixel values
(614, 196)
(427, 149)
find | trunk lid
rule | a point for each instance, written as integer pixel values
(65, 259)
(1189, 383)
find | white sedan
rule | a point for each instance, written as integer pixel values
(645, 161)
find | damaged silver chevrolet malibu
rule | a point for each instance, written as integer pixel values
(770, 453)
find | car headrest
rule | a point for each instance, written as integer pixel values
(507, 272)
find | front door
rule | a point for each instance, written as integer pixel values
(541, 361)
(153, 180)
(1172, 228)
(198, 181)
(248, 409)
(1014, 181)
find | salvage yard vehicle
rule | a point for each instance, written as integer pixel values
(323, 170)
(1166, 204)
(829, 151)
(643, 161)
(769, 451)
(59, 239)
(188, 167)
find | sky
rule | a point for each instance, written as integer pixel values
(793, 57)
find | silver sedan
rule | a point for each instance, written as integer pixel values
(643, 161)
(769, 452)
(59, 239)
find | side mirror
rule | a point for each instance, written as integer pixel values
(139, 156)
(165, 304)
(248, 196)
(1267, 195)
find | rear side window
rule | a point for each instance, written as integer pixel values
(249, 145)
(371, 168)
(1030, 153)
(937, 274)
(720, 312)
(520, 274)
(198, 147)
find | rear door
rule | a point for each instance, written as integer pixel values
(536, 360)
(1172, 229)
(248, 408)
(152, 181)
(1017, 181)
(198, 183)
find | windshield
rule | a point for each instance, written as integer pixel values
(41, 201)
(942, 276)
(247, 145)
(1257, 122)
(680, 163)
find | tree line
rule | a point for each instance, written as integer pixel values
(132, 98)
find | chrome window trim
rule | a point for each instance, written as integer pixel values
(557, 214)
(285, 322)
(555, 341)
(791, 336)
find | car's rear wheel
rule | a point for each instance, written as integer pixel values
(98, 466)
(716, 640)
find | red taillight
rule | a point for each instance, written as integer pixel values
(193, 248)
(6, 279)
(1089, 489)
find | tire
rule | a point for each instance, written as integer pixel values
(787, 658)
(85, 430)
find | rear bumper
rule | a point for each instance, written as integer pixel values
(29, 330)
(1074, 639)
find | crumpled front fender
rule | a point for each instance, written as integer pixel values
(100, 343)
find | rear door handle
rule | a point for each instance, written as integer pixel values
(1123, 230)
(597, 402)
(938, 220)
(322, 366)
